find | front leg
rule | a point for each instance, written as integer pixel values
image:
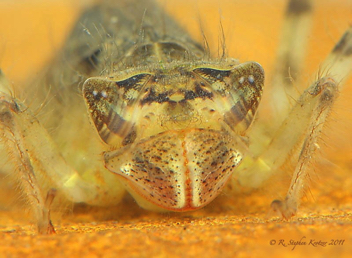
(13, 140)
(39, 166)
(326, 91)
(339, 64)
(301, 129)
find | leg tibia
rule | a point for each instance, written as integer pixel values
(13, 140)
(326, 88)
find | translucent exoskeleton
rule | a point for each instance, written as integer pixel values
(141, 106)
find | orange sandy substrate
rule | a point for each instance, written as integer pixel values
(231, 225)
(213, 232)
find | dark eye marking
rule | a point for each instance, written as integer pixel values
(213, 73)
(133, 82)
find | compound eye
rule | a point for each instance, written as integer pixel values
(110, 105)
(238, 91)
